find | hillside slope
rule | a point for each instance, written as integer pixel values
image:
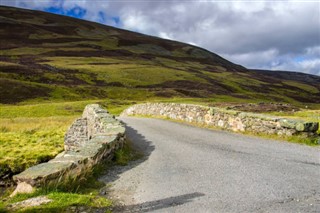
(50, 57)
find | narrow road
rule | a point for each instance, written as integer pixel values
(190, 169)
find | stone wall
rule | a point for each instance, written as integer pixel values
(91, 138)
(225, 119)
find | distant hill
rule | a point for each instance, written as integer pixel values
(50, 57)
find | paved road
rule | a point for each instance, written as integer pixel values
(189, 169)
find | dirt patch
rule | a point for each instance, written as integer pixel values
(115, 84)
(165, 93)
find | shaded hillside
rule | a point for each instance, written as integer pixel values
(45, 56)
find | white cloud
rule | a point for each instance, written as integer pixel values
(308, 62)
(263, 58)
(310, 66)
(165, 35)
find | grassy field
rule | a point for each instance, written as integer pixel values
(28, 141)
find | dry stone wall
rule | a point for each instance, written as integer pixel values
(225, 119)
(91, 138)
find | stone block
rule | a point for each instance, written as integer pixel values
(42, 172)
(307, 126)
(103, 139)
(69, 158)
(288, 123)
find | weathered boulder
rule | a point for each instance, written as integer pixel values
(299, 125)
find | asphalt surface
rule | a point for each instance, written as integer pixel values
(190, 169)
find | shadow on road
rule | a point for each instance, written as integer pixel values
(140, 144)
(138, 141)
(159, 204)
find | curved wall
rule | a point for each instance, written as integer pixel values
(225, 119)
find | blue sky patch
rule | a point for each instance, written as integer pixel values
(299, 58)
(76, 12)
(116, 20)
(102, 17)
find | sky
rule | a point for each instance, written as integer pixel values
(260, 34)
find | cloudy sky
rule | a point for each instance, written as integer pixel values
(277, 35)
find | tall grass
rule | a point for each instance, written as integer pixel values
(25, 142)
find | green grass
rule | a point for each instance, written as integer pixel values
(305, 87)
(129, 72)
(22, 51)
(28, 141)
(307, 115)
(62, 202)
(43, 109)
(126, 154)
(49, 109)
(35, 51)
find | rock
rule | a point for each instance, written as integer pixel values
(300, 127)
(35, 201)
(43, 172)
(22, 187)
(307, 126)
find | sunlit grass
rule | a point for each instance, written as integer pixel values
(87, 198)
(308, 115)
(305, 87)
(28, 141)
(43, 109)
(128, 72)
(61, 202)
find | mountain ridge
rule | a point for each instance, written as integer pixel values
(45, 56)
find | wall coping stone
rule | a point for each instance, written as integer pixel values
(275, 122)
(101, 134)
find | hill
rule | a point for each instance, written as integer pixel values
(50, 57)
